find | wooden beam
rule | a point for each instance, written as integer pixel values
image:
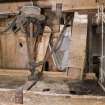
(14, 72)
(68, 5)
(44, 98)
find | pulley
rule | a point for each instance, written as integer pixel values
(27, 15)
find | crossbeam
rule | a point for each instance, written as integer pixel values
(68, 5)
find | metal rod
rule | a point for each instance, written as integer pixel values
(19, 96)
(90, 43)
(102, 44)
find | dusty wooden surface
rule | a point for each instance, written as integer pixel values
(62, 100)
(59, 93)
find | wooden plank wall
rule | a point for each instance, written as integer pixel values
(12, 55)
(15, 56)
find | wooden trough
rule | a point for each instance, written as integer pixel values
(51, 89)
(37, 98)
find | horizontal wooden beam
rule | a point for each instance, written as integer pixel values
(14, 72)
(44, 98)
(68, 5)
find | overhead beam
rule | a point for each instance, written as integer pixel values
(68, 5)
